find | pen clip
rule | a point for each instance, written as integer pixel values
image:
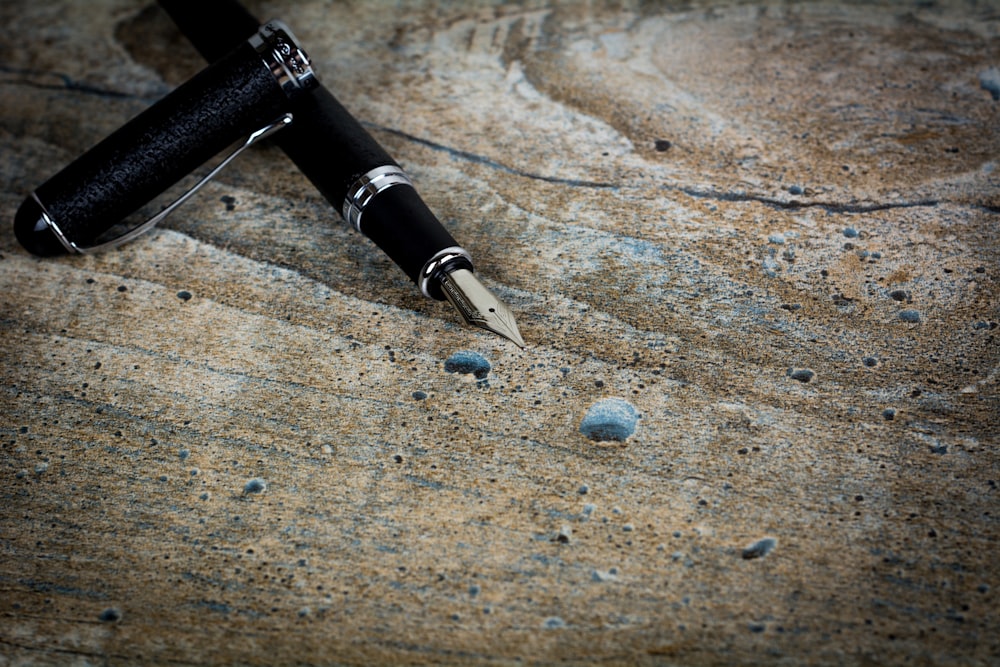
(252, 138)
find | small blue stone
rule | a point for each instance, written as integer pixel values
(851, 233)
(255, 485)
(609, 419)
(795, 190)
(466, 362)
(912, 316)
(989, 80)
(760, 548)
(801, 374)
(110, 615)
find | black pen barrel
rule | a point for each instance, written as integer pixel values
(213, 39)
(345, 163)
(329, 145)
(338, 155)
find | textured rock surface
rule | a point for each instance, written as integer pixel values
(770, 229)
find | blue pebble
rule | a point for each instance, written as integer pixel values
(609, 419)
(909, 315)
(466, 362)
(110, 615)
(851, 233)
(419, 395)
(760, 548)
(795, 190)
(801, 374)
(989, 80)
(255, 485)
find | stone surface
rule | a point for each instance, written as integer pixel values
(771, 229)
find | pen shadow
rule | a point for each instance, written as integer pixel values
(152, 40)
(262, 208)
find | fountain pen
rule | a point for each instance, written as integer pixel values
(358, 177)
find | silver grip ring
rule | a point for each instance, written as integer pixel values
(437, 262)
(367, 186)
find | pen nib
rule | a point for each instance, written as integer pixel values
(478, 306)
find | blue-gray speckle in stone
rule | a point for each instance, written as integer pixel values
(466, 362)
(760, 548)
(255, 485)
(609, 419)
(989, 80)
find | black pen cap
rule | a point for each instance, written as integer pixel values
(33, 232)
(246, 91)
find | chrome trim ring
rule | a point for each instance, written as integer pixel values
(366, 187)
(437, 262)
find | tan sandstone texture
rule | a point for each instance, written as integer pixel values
(757, 243)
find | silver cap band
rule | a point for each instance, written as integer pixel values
(281, 53)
